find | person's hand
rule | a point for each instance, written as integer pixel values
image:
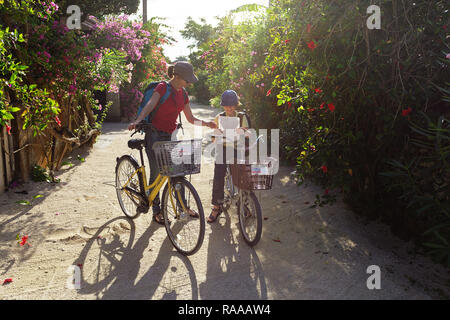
(211, 124)
(240, 130)
(132, 126)
(218, 132)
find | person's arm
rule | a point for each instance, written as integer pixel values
(191, 119)
(151, 104)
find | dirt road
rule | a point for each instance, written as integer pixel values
(304, 253)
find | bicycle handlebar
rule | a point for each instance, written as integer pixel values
(142, 126)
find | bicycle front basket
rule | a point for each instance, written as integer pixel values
(178, 158)
(252, 177)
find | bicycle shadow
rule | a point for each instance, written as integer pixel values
(234, 270)
(117, 263)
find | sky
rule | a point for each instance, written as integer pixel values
(176, 13)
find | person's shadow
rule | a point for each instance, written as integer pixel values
(116, 266)
(233, 268)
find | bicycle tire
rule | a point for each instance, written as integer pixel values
(179, 230)
(255, 214)
(131, 199)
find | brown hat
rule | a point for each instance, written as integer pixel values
(185, 70)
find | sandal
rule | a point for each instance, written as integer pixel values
(192, 213)
(213, 217)
(159, 218)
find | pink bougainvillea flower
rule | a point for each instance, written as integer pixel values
(262, 84)
(318, 90)
(406, 112)
(8, 129)
(58, 121)
(308, 28)
(9, 280)
(324, 169)
(273, 68)
(100, 107)
(312, 45)
(447, 56)
(269, 92)
(331, 107)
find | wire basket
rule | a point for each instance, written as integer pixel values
(178, 158)
(252, 177)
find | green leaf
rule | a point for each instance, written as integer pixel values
(24, 202)
(38, 196)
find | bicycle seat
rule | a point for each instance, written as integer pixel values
(136, 143)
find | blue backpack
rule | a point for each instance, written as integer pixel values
(148, 92)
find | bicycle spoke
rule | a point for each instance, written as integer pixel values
(185, 232)
(126, 177)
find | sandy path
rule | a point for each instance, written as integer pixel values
(319, 253)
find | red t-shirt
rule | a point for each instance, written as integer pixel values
(165, 118)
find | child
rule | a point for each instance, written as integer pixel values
(230, 102)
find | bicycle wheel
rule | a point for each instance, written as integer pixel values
(129, 187)
(184, 231)
(250, 219)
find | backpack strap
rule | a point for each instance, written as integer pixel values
(241, 116)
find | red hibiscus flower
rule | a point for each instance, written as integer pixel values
(24, 240)
(273, 68)
(324, 169)
(322, 105)
(318, 90)
(269, 92)
(289, 104)
(9, 280)
(287, 41)
(58, 121)
(331, 107)
(406, 112)
(312, 45)
(8, 129)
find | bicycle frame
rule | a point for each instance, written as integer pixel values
(238, 193)
(156, 186)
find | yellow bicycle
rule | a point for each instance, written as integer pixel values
(181, 205)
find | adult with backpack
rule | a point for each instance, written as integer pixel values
(162, 103)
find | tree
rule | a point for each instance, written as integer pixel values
(202, 33)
